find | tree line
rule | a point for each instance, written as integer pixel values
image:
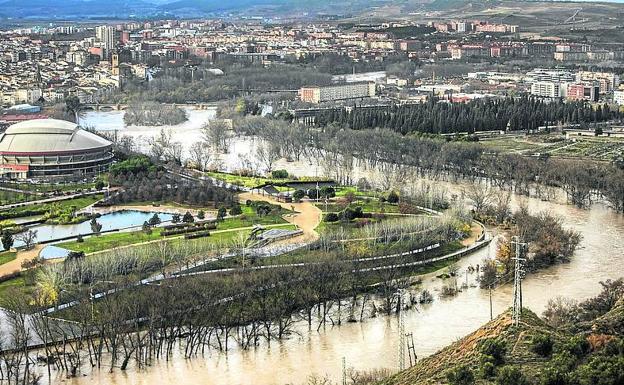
(398, 157)
(487, 114)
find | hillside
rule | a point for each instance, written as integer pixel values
(587, 348)
(466, 351)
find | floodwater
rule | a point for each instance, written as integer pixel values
(185, 133)
(372, 344)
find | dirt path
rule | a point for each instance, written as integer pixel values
(16, 264)
(475, 232)
(307, 217)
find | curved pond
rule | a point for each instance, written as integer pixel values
(118, 220)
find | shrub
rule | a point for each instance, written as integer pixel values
(99, 184)
(461, 375)
(510, 375)
(7, 240)
(201, 214)
(577, 346)
(393, 197)
(298, 195)
(554, 376)
(487, 370)
(494, 350)
(313, 193)
(279, 174)
(248, 202)
(331, 217)
(154, 220)
(79, 238)
(542, 345)
(221, 213)
(236, 210)
(188, 217)
(328, 192)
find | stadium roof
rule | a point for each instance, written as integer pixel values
(49, 136)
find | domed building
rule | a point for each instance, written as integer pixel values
(50, 149)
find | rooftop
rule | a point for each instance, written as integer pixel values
(45, 136)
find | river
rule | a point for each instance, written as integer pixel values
(373, 343)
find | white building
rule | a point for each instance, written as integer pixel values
(546, 89)
(618, 97)
(337, 92)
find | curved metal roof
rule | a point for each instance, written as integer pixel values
(49, 136)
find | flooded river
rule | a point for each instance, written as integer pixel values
(373, 343)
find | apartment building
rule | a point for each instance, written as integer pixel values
(337, 92)
(546, 89)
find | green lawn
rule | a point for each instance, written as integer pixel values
(39, 209)
(111, 240)
(7, 256)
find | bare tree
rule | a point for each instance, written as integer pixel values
(267, 155)
(28, 238)
(216, 133)
(200, 154)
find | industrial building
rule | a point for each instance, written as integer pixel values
(50, 149)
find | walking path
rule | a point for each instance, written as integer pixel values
(22, 256)
(307, 218)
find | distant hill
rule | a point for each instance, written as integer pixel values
(75, 9)
(44, 9)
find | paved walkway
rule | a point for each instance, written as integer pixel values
(307, 218)
(16, 264)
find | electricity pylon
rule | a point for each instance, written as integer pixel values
(518, 275)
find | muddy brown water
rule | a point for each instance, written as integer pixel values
(372, 344)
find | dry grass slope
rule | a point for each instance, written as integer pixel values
(433, 369)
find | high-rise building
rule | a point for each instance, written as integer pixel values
(105, 34)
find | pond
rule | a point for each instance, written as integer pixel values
(118, 220)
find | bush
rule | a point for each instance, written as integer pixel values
(221, 213)
(298, 195)
(236, 210)
(331, 217)
(461, 375)
(99, 184)
(487, 370)
(510, 375)
(494, 350)
(313, 193)
(188, 217)
(328, 192)
(393, 197)
(154, 220)
(577, 346)
(79, 238)
(554, 376)
(201, 214)
(279, 174)
(542, 345)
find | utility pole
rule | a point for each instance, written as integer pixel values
(491, 316)
(401, 353)
(518, 275)
(344, 370)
